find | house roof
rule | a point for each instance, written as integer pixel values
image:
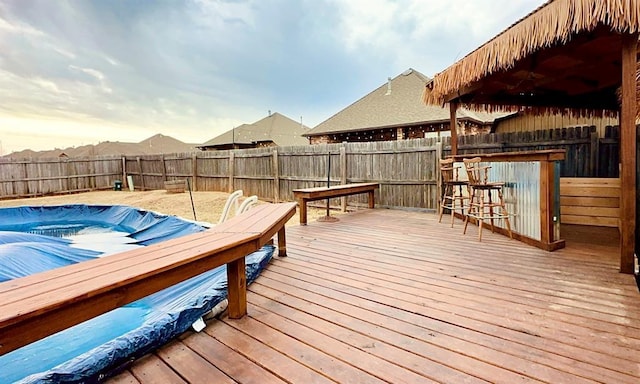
(276, 127)
(396, 103)
(565, 55)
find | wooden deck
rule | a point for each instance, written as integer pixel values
(393, 296)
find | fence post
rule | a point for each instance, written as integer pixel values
(164, 168)
(595, 153)
(276, 177)
(194, 169)
(141, 174)
(125, 182)
(231, 165)
(60, 177)
(436, 167)
(343, 174)
(39, 176)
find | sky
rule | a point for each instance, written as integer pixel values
(76, 72)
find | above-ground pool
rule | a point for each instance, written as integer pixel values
(36, 239)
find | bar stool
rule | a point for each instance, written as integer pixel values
(453, 189)
(482, 204)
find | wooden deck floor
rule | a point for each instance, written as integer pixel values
(393, 296)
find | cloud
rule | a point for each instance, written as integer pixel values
(195, 68)
(428, 34)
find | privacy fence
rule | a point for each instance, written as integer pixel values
(39, 177)
(406, 170)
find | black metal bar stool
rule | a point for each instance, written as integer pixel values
(482, 205)
(453, 189)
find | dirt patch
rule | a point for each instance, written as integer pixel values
(208, 205)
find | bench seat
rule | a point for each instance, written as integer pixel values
(319, 193)
(39, 305)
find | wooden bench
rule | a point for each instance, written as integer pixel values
(319, 193)
(39, 305)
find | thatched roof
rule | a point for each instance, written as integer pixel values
(395, 103)
(276, 128)
(557, 23)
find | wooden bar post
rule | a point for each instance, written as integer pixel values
(438, 173)
(453, 125)
(237, 288)
(546, 202)
(628, 153)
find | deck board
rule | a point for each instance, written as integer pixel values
(393, 296)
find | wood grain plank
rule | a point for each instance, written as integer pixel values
(151, 370)
(189, 365)
(339, 347)
(309, 356)
(590, 211)
(591, 220)
(599, 191)
(232, 363)
(125, 377)
(268, 358)
(592, 181)
(611, 202)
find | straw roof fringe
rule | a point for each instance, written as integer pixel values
(552, 23)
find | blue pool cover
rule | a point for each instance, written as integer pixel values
(36, 239)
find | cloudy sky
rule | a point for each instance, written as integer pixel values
(86, 71)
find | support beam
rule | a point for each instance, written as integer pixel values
(628, 153)
(237, 288)
(453, 126)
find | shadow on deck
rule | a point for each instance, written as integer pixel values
(393, 296)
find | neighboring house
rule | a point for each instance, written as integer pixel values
(273, 130)
(395, 111)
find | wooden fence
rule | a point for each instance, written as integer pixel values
(29, 178)
(406, 170)
(588, 155)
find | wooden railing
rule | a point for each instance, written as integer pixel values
(39, 305)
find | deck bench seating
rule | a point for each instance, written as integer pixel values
(319, 193)
(39, 305)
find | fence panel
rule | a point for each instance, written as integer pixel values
(38, 177)
(212, 171)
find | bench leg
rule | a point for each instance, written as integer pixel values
(282, 243)
(237, 288)
(372, 201)
(303, 211)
